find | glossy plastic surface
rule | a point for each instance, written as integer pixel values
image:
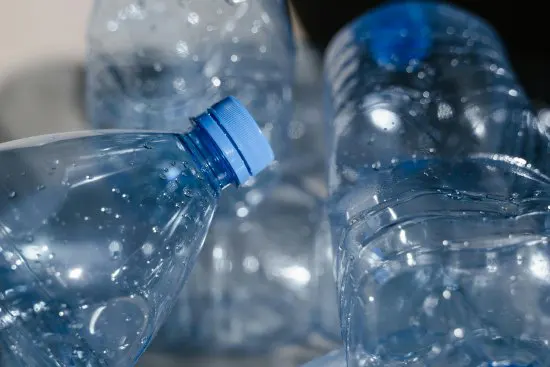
(258, 283)
(98, 234)
(436, 204)
(99, 231)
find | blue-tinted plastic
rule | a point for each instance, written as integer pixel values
(257, 285)
(456, 247)
(243, 130)
(460, 98)
(98, 233)
(435, 193)
(399, 34)
(173, 59)
(238, 137)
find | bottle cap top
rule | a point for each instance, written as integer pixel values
(238, 136)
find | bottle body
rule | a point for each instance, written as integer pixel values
(98, 234)
(447, 266)
(150, 64)
(435, 154)
(437, 86)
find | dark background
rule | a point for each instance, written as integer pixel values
(523, 25)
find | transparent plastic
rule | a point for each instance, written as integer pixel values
(433, 244)
(152, 62)
(254, 288)
(436, 195)
(418, 80)
(99, 231)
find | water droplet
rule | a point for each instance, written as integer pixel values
(155, 229)
(39, 306)
(188, 192)
(193, 18)
(12, 194)
(235, 2)
(254, 197)
(147, 146)
(114, 248)
(179, 84)
(147, 249)
(242, 212)
(216, 82)
(40, 187)
(182, 49)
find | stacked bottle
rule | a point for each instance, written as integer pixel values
(438, 211)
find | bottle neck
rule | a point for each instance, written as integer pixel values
(209, 158)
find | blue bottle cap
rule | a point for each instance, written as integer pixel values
(399, 33)
(238, 136)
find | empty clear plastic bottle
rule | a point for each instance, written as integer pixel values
(436, 205)
(99, 231)
(255, 285)
(151, 62)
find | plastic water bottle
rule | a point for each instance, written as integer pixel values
(254, 288)
(150, 62)
(336, 358)
(437, 210)
(99, 231)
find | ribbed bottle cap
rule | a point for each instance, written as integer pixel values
(238, 136)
